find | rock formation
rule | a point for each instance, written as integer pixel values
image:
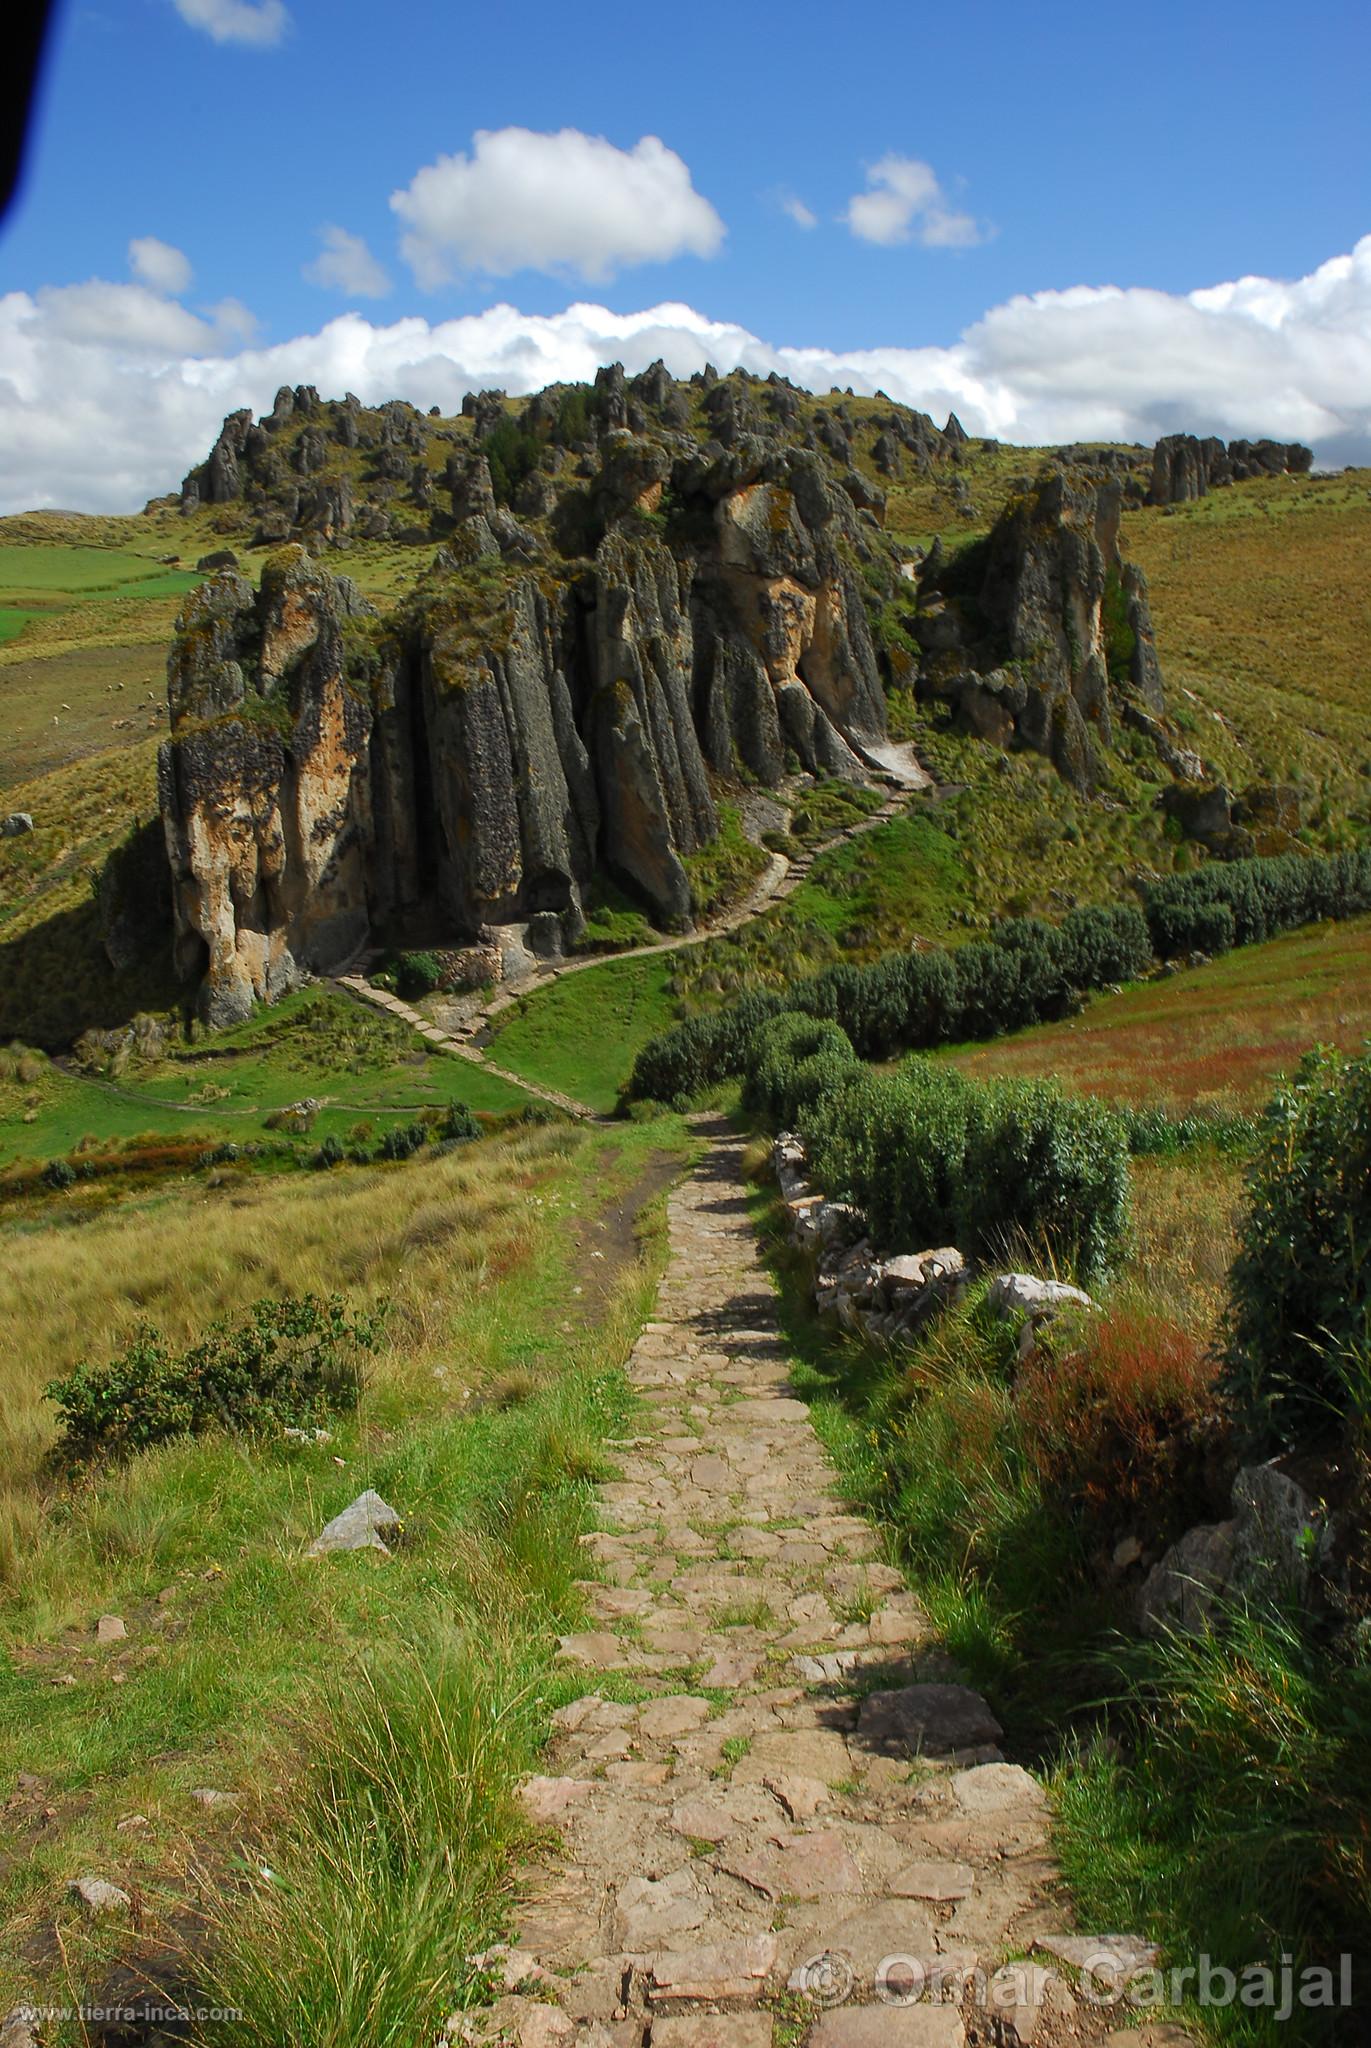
(1041, 632)
(641, 588)
(547, 704)
(1184, 467)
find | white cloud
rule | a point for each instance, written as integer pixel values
(259, 23)
(904, 202)
(568, 203)
(159, 265)
(802, 215)
(346, 264)
(108, 393)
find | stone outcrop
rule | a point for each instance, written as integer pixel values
(1264, 819)
(1269, 1549)
(1041, 633)
(1184, 468)
(532, 715)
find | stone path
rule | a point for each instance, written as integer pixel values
(803, 1789)
(357, 985)
(780, 880)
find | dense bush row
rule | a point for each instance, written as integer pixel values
(1237, 903)
(933, 1158)
(1025, 973)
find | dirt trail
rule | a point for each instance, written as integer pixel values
(807, 1791)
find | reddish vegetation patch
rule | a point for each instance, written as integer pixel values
(1209, 1035)
(1116, 1417)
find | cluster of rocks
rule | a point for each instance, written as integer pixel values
(1184, 467)
(1278, 1545)
(885, 1298)
(891, 1299)
(1263, 819)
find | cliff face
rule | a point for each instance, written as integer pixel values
(525, 719)
(1041, 632)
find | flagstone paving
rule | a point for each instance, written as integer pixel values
(803, 1794)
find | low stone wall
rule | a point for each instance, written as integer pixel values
(885, 1298)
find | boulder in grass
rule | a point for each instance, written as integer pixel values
(364, 1525)
(16, 824)
(1023, 1294)
(97, 1896)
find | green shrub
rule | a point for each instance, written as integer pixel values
(402, 1141)
(458, 1125)
(1104, 946)
(330, 1153)
(58, 1173)
(793, 1060)
(1049, 1166)
(1300, 1353)
(417, 974)
(287, 1362)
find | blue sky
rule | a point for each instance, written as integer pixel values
(992, 151)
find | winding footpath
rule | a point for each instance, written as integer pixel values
(780, 880)
(803, 1829)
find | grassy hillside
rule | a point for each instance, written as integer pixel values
(1262, 608)
(1212, 1037)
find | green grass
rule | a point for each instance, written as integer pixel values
(54, 573)
(13, 622)
(724, 870)
(361, 1067)
(582, 1033)
(369, 1717)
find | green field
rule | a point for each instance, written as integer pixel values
(363, 1069)
(581, 1033)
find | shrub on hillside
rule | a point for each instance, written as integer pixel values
(1104, 946)
(417, 974)
(933, 1158)
(402, 1141)
(691, 1056)
(286, 1363)
(1262, 897)
(793, 1060)
(1301, 1283)
(897, 1148)
(1113, 1413)
(458, 1126)
(1024, 974)
(1049, 1166)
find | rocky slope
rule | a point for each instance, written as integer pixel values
(633, 595)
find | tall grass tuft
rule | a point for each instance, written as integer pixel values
(391, 1869)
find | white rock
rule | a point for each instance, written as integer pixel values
(359, 1527)
(97, 1896)
(111, 1628)
(1023, 1294)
